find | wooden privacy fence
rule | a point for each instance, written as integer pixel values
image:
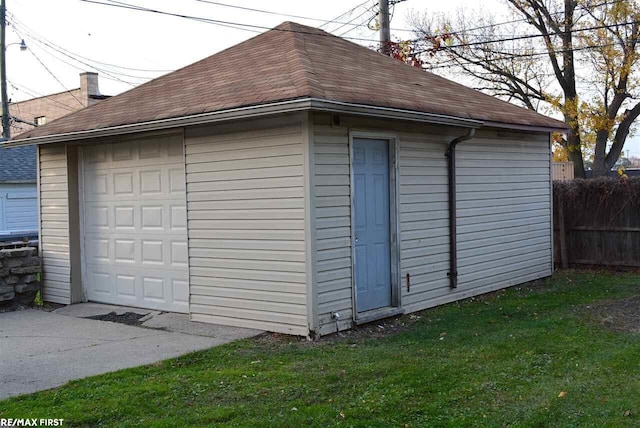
(597, 222)
(562, 170)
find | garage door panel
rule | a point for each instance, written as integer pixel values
(146, 152)
(178, 218)
(141, 216)
(128, 286)
(101, 283)
(97, 217)
(135, 224)
(149, 253)
(179, 254)
(146, 183)
(98, 250)
(177, 183)
(124, 251)
(124, 216)
(123, 184)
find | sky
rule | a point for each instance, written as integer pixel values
(127, 47)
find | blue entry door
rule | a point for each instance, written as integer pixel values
(372, 264)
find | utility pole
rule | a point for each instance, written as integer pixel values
(6, 124)
(383, 22)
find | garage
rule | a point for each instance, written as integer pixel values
(134, 223)
(318, 197)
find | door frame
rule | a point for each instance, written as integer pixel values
(82, 208)
(394, 225)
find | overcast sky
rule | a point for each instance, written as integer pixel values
(116, 41)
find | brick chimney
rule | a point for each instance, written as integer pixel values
(89, 87)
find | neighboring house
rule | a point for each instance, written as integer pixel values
(296, 183)
(39, 111)
(18, 196)
(629, 172)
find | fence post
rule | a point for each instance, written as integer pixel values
(564, 258)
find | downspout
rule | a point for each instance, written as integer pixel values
(453, 232)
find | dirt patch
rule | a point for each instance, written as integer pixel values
(128, 318)
(12, 308)
(618, 315)
(387, 327)
(374, 330)
(377, 329)
(46, 306)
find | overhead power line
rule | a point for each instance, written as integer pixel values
(248, 27)
(63, 52)
(288, 15)
(19, 27)
(513, 21)
(530, 36)
(35, 94)
(369, 9)
(250, 9)
(55, 77)
(119, 4)
(507, 55)
(349, 12)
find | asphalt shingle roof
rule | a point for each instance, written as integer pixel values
(18, 164)
(288, 62)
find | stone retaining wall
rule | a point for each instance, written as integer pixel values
(19, 275)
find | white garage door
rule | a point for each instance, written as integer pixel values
(135, 226)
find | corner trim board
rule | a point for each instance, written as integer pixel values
(553, 254)
(310, 222)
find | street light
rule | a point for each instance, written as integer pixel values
(6, 124)
(23, 45)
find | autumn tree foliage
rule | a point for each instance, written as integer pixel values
(578, 58)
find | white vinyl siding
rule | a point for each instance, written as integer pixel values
(504, 213)
(504, 192)
(54, 224)
(246, 221)
(332, 226)
(18, 208)
(424, 216)
(503, 219)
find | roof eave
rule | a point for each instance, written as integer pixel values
(532, 128)
(161, 124)
(25, 181)
(300, 104)
(392, 113)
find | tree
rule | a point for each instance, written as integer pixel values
(574, 57)
(558, 148)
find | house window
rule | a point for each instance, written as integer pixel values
(41, 120)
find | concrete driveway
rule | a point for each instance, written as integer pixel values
(41, 350)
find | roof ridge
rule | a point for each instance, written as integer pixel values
(301, 68)
(292, 61)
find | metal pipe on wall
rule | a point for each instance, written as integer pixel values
(453, 228)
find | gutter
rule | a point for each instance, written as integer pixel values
(279, 107)
(453, 215)
(531, 128)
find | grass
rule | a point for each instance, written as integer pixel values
(496, 361)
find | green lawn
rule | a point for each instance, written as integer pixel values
(496, 361)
